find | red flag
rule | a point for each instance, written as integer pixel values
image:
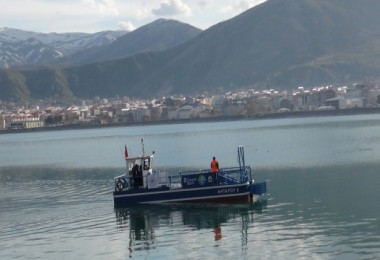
(125, 152)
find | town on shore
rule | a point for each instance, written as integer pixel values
(55, 114)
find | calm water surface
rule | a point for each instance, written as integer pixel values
(56, 192)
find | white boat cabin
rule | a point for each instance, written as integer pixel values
(140, 172)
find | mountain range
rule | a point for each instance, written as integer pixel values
(23, 48)
(277, 44)
(159, 35)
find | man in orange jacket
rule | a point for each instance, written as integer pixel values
(215, 169)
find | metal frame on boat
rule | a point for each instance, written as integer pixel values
(141, 184)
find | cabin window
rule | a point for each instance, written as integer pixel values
(146, 164)
(130, 165)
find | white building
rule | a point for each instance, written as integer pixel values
(338, 103)
(185, 112)
(355, 103)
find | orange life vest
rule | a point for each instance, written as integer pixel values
(214, 166)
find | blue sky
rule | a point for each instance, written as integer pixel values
(99, 15)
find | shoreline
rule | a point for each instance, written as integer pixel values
(298, 114)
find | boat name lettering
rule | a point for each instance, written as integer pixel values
(226, 191)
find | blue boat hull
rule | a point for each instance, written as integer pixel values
(224, 193)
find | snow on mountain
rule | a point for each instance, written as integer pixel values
(18, 47)
(99, 39)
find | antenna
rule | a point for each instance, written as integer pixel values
(142, 147)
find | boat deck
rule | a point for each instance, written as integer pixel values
(163, 180)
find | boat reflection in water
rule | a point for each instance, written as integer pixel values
(152, 225)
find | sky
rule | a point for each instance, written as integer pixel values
(92, 16)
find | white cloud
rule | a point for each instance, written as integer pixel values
(126, 25)
(172, 8)
(104, 7)
(203, 3)
(240, 6)
(244, 5)
(142, 13)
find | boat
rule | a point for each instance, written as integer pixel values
(142, 184)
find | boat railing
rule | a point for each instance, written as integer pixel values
(225, 176)
(234, 175)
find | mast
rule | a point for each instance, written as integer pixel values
(142, 147)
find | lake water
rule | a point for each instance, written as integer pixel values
(324, 178)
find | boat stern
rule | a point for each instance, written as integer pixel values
(258, 188)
